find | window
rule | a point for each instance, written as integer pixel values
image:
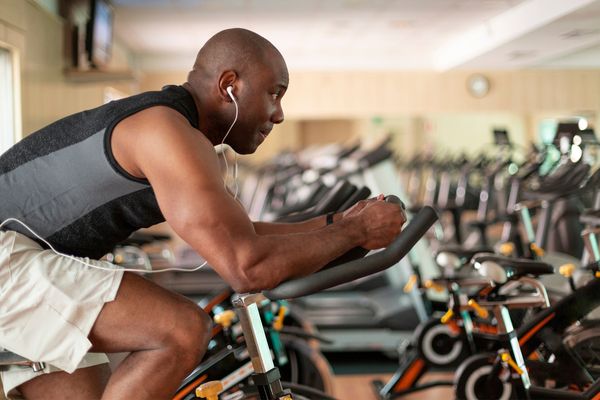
(8, 106)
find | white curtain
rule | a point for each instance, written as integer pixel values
(7, 99)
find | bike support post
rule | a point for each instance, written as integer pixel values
(266, 376)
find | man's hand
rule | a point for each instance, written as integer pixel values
(382, 221)
(359, 205)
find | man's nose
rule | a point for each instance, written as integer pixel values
(277, 116)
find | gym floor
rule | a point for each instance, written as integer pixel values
(360, 387)
(354, 374)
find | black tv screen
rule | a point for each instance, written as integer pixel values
(501, 137)
(100, 33)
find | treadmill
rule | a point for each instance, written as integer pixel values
(373, 313)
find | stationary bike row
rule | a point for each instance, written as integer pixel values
(266, 380)
(550, 335)
(549, 356)
(466, 329)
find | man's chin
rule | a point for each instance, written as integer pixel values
(249, 146)
(248, 149)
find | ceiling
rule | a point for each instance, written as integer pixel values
(372, 34)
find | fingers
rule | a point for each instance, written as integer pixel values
(358, 206)
(383, 222)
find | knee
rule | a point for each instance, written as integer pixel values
(193, 332)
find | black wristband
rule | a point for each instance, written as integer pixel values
(329, 218)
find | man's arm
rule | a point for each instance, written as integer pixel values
(278, 228)
(182, 167)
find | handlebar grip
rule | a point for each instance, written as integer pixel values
(390, 198)
(360, 252)
(355, 269)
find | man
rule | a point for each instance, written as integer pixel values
(89, 180)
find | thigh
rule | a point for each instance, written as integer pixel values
(83, 384)
(140, 317)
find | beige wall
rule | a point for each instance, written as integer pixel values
(47, 95)
(363, 94)
(423, 111)
(342, 94)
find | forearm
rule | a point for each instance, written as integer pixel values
(276, 228)
(271, 259)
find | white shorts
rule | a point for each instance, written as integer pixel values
(48, 306)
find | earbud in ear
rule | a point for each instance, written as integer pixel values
(230, 92)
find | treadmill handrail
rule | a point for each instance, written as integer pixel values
(325, 279)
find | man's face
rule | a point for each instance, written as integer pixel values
(259, 102)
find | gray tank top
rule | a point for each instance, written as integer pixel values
(64, 183)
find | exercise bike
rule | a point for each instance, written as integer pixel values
(546, 357)
(266, 382)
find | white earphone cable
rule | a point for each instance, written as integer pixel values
(235, 175)
(98, 266)
(230, 91)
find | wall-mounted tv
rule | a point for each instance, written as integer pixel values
(501, 137)
(99, 33)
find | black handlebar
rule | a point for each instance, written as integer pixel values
(355, 269)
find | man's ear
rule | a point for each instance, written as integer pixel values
(226, 79)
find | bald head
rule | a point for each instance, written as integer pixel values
(238, 73)
(234, 49)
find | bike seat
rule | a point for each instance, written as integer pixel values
(516, 267)
(464, 255)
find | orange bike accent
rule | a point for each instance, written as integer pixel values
(446, 317)
(453, 326)
(190, 387)
(482, 312)
(485, 328)
(508, 359)
(221, 297)
(411, 375)
(535, 329)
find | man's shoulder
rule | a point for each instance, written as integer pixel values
(158, 136)
(158, 118)
(162, 125)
